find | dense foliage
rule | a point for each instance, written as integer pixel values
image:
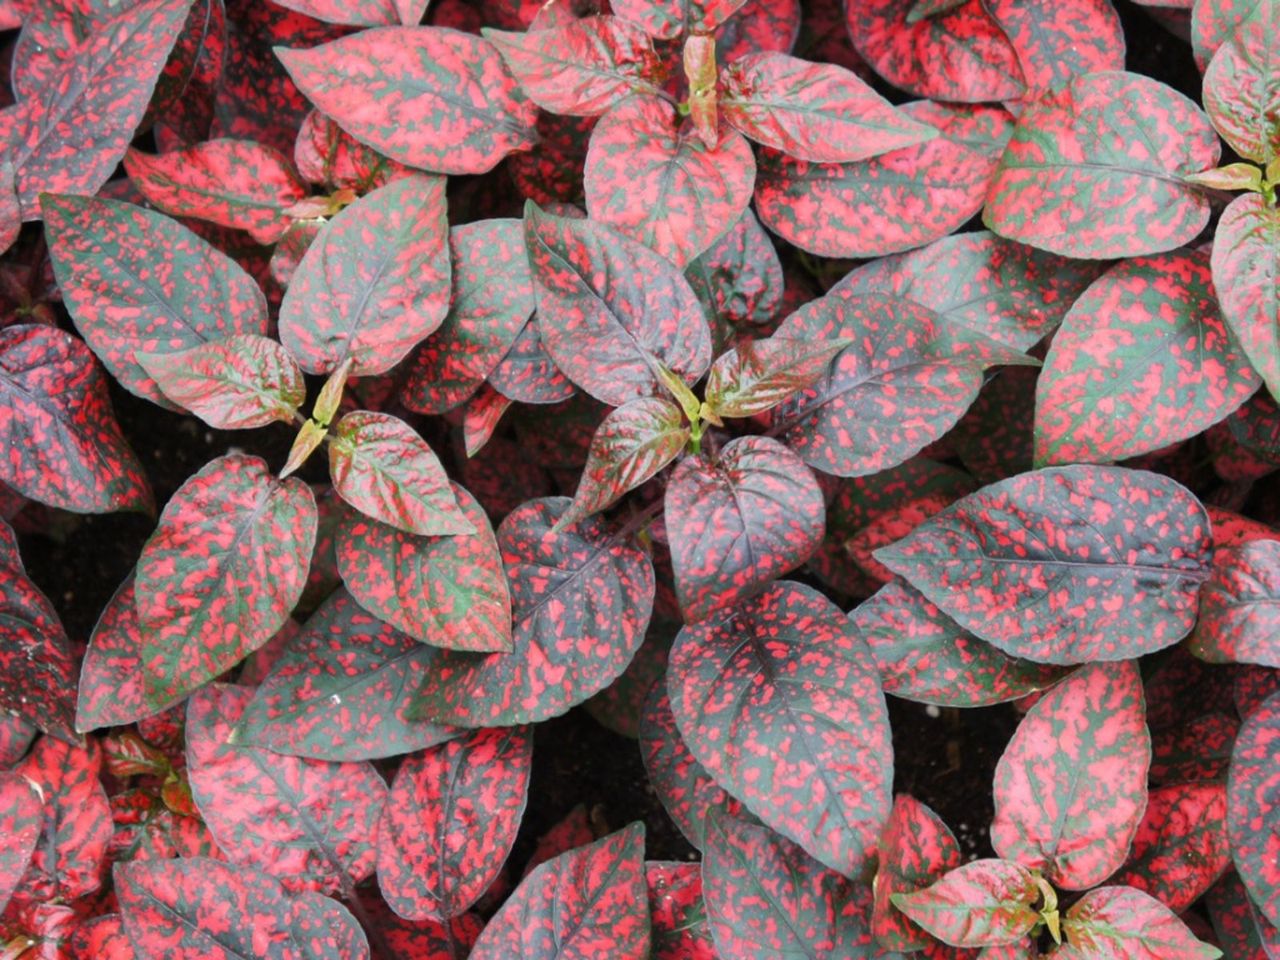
(663, 369)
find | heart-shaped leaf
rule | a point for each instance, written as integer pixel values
(1053, 812)
(1065, 565)
(310, 823)
(71, 129)
(341, 690)
(581, 68)
(450, 820)
(1240, 606)
(985, 903)
(373, 283)
(757, 375)
(631, 445)
(916, 849)
(581, 599)
(1253, 807)
(385, 470)
(135, 281)
(779, 702)
(221, 572)
(1096, 169)
(589, 902)
(1242, 86)
(1246, 263)
(1142, 361)
(429, 97)
(655, 180)
(64, 447)
(1128, 924)
(206, 908)
(243, 381)
(608, 305)
(446, 591)
(738, 521)
(1056, 42)
(21, 820)
(235, 183)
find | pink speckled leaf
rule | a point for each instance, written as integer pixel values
(1246, 264)
(1253, 807)
(355, 13)
(21, 820)
(1122, 922)
(1071, 786)
(757, 375)
(676, 909)
(985, 903)
(1240, 607)
(111, 675)
(1242, 83)
(1058, 41)
(916, 848)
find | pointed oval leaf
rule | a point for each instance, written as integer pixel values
(446, 591)
(136, 281)
(581, 68)
(1242, 85)
(310, 823)
(1056, 42)
(112, 677)
(64, 447)
(342, 690)
(1128, 924)
(653, 179)
(1096, 169)
(630, 446)
(243, 381)
(766, 897)
(1143, 360)
(1065, 565)
(429, 97)
(1240, 606)
(757, 375)
(450, 820)
(925, 656)
(738, 521)
(1253, 807)
(21, 820)
(1246, 263)
(781, 705)
(607, 305)
(373, 283)
(189, 908)
(235, 183)
(589, 902)
(1071, 786)
(985, 903)
(916, 849)
(582, 601)
(527, 374)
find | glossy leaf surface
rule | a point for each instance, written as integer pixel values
(983, 903)
(1253, 807)
(916, 848)
(1246, 262)
(1123, 922)
(1056, 42)
(756, 376)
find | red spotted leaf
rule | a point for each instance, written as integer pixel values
(631, 445)
(654, 179)
(327, 155)
(70, 854)
(447, 591)
(1240, 606)
(1253, 807)
(429, 97)
(901, 383)
(812, 111)
(1142, 361)
(916, 848)
(766, 897)
(1128, 924)
(619, 706)
(1000, 289)
(201, 908)
(480, 418)
(1065, 565)
(341, 690)
(1056, 42)
(589, 902)
(756, 376)
(74, 125)
(607, 306)
(1198, 749)
(925, 656)
(21, 822)
(1242, 84)
(1181, 846)
(738, 278)
(1242, 933)
(677, 912)
(667, 19)
(112, 677)
(64, 447)
(136, 281)
(15, 737)
(422, 939)
(1096, 169)
(373, 283)
(581, 600)
(898, 200)
(355, 13)
(581, 68)
(738, 521)
(221, 573)
(450, 820)
(1071, 786)
(781, 705)
(102, 938)
(985, 903)
(1246, 263)
(310, 823)
(242, 381)
(37, 671)
(527, 374)
(235, 183)
(959, 54)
